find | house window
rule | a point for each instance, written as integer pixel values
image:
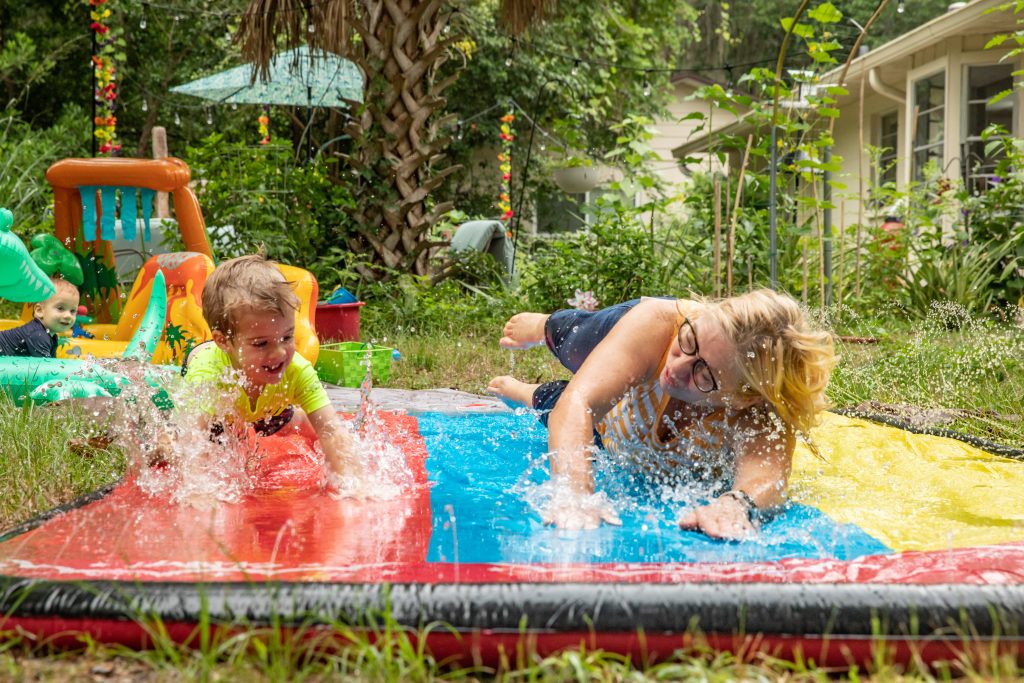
(982, 84)
(888, 134)
(929, 122)
(560, 212)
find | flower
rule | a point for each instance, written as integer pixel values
(584, 301)
(505, 166)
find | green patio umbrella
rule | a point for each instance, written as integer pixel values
(298, 77)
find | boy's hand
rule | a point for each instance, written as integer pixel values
(358, 487)
(163, 451)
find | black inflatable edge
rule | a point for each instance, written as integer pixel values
(47, 515)
(976, 441)
(947, 612)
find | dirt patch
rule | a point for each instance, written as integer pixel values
(928, 417)
(80, 667)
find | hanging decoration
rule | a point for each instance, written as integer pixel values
(105, 72)
(505, 159)
(264, 121)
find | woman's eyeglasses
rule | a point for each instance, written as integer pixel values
(702, 377)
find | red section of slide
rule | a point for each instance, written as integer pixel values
(492, 647)
(290, 530)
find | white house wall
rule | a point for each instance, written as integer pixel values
(674, 130)
(951, 55)
(856, 161)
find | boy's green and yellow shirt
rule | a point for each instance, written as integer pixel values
(300, 386)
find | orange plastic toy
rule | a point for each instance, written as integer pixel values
(308, 291)
(185, 272)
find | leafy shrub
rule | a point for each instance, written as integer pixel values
(411, 304)
(26, 153)
(961, 273)
(616, 264)
(253, 196)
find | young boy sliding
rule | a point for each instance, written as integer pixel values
(38, 337)
(250, 309)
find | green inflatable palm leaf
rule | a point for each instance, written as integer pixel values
(143, 342)
(21, 279)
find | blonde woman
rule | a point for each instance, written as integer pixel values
(683, 382)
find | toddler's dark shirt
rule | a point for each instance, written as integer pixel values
(31, 339)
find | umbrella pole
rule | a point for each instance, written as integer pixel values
(309, 124)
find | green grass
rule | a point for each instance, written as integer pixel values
(37, 468)
(976, 367)
(975, 371)
(381, 650)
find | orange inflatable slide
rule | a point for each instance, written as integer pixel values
(107, 189)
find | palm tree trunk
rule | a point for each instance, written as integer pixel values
(397, 156)
(398, 145)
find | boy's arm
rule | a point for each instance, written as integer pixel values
(336, 442)
(39, 345)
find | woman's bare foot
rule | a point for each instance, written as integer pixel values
(510, 388)
(524, 330)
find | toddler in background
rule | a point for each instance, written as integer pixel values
(38, 337)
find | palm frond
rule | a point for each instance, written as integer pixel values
(268, 26)
(519, 15)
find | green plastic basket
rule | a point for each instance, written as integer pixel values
(344, 363)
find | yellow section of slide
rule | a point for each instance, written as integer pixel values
(910, 491)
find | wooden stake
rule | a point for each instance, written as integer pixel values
(819, 235)
(750, 273)
(860, 187)
(842, 253)
(731, 241)
(803, 258)
(163, 208)
(718, 236)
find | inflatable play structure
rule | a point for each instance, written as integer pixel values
(43, 380)
(49, 379)
(21, 280)
(909, 542)
(93, 199)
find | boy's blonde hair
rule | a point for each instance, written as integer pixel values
(251, 282)
(62, 285)
(59, 285)
(780, 358)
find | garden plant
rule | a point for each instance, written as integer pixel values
(925, 319)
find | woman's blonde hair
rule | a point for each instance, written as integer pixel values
(780, 358)
(251, 282)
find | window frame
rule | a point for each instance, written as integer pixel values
(890, 158)
(966, 139)
(915, 116)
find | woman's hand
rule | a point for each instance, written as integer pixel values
(725, 517)
(578, 511)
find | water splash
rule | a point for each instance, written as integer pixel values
(365, 387)
(386, 472)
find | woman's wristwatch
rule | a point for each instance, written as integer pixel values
(748, 502)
